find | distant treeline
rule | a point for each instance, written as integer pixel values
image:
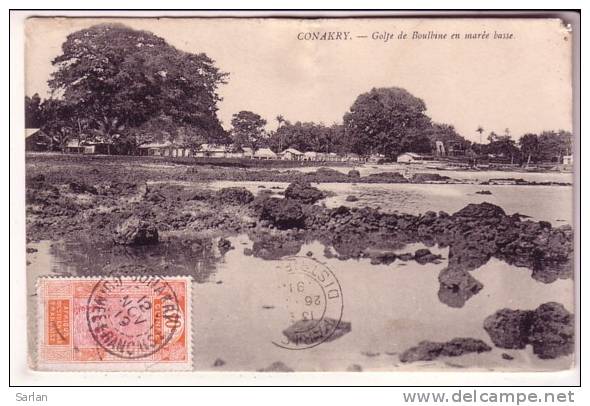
(127, 88)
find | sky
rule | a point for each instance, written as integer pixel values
(523, 83)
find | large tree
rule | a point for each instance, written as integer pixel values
(119, 78)
(33, 113)
(59, 122)
(502, 146)
(529, 148)
(553, 145)
(248, 130)
(387, 121)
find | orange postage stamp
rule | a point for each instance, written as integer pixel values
(114, 323)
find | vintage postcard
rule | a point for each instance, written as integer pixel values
(300, 194)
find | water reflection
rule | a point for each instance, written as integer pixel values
(238, 311)
(195, 257)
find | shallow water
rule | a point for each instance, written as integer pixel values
(239, 305)
(479, 176)
(548, 203)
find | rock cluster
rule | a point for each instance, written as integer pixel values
(135, 231)
(308, 332)
(224, 245)
(235, 195)
(457, 286)
(81, 187)
(282, 213)
(430, 350)
(549, 329)
(303, 192)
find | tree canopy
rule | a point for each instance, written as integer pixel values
(388, 121)
(248, 129)
(120, 78)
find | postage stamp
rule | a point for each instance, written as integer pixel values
(313, 304)
(114, 323)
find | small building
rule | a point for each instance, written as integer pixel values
(352, 157)
(291, 154)
(265, 153)
(212, 151)
(568, 159)
(247, 152)
(74, 147)
(156, 149)
(94, 148)
(234, 152)
(37, 140)
(311, 156)
(410, 157)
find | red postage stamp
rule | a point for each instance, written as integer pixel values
(114, 323)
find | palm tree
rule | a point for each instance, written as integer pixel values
(480, 130)
(280, 119)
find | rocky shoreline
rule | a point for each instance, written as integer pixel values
(135, 213)
(56, 168)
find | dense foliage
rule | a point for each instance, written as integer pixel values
(119, 79)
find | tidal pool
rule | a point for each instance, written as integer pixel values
(238, 304)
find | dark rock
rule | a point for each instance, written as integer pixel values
(507, 357)
(235, 195)
(248, 252)
(200, 195)
(309, 254)
(81, 187)
(275, 246)
(471, 251)
(549, 329)
(353, 173)
(224, 245)
(429, 350)
(424, 256)
(154, 195)
(352, 198)
(118, 188)
(429, 177)
(219, 362)
(405, 256)
(135, 231)
(545, 224)
(509, 328)
(385, 177)
(326, 175)
(354, 368)
(385, 258)
(310, 332)
(480, 211)
(457, 286)
(31, 250)
(282, 213)
(552, 331)
(303, 192)
(483, 192)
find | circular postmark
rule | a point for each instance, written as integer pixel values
(312, 302)
(133, 317)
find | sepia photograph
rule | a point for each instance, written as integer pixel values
(300, 194)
